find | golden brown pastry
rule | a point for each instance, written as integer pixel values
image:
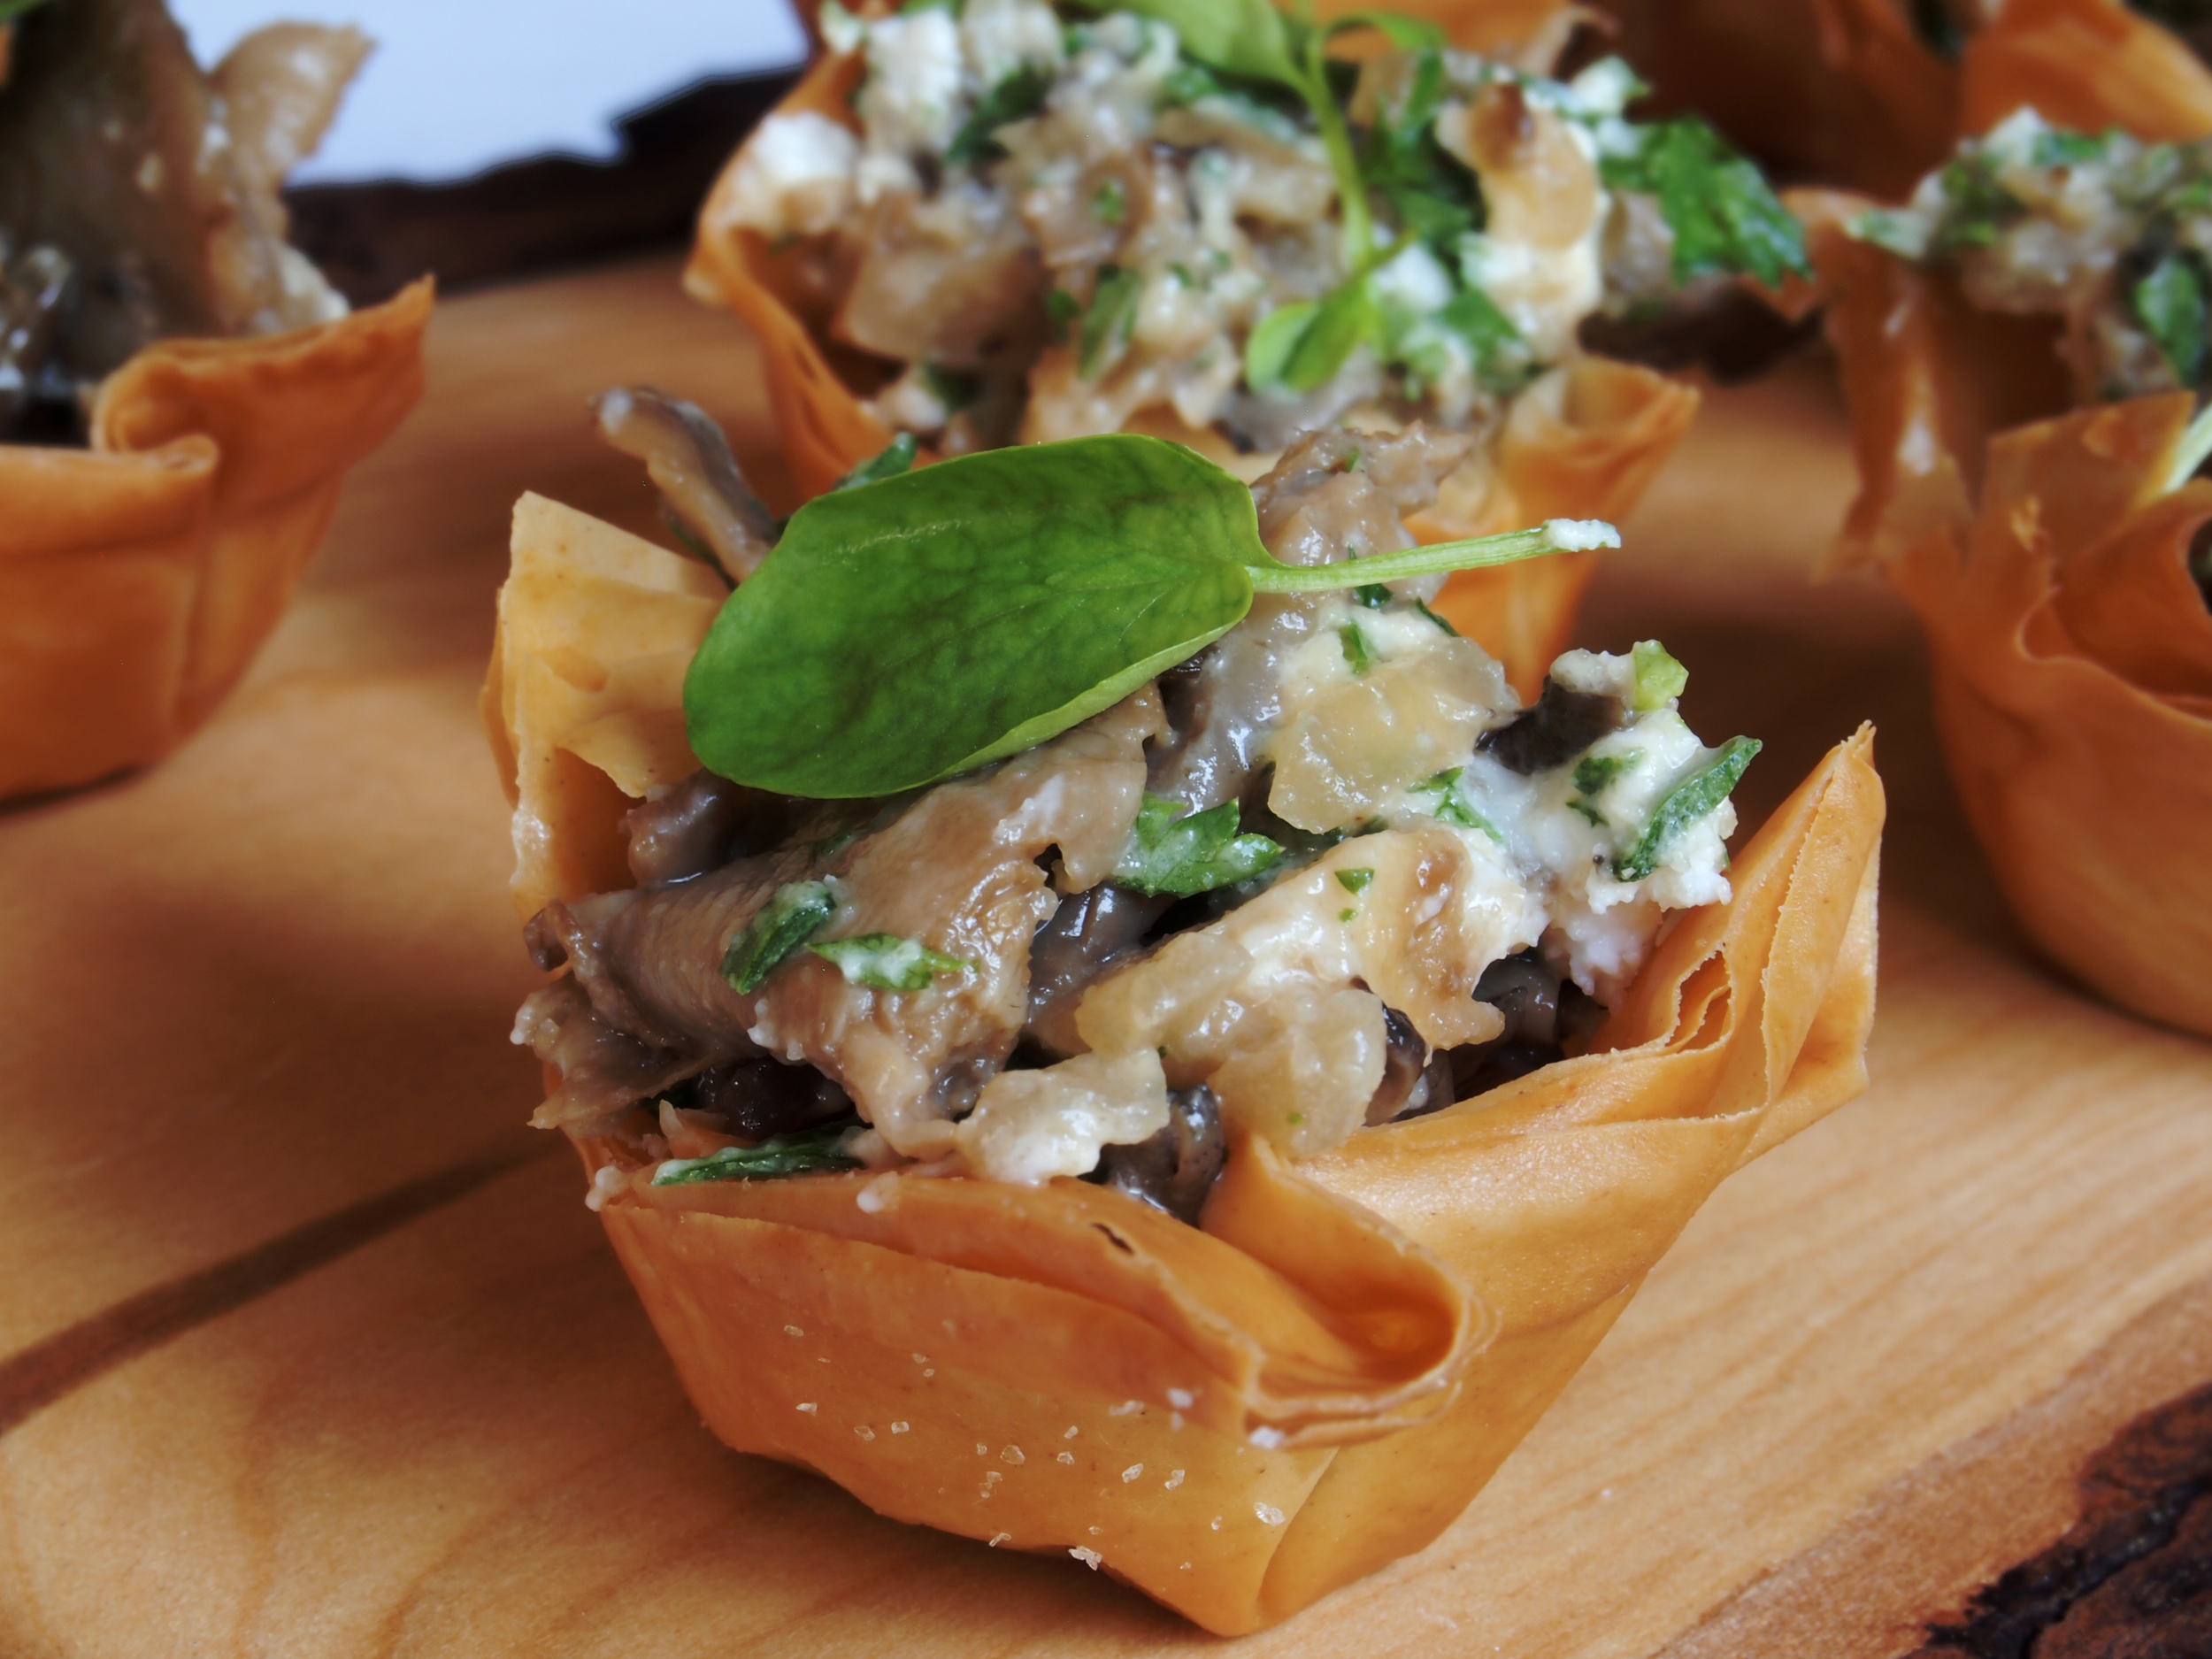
(150, 310)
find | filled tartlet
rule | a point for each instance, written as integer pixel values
(1102, 1024)
(1002, 222)
(180, 392)
(2057, 559)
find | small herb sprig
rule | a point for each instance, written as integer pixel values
(910, 629)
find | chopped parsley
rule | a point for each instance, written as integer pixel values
(1355, 880)
(1111, 314)
(2171, 301)
(791, 914)
(1017, 98)
(1725, 215)
(808, 1152)
(1183, 854)
(1110, 205)
(1451, 807)
(895, 458)
(1356, 650)
(885, 962)
(1374, 596)
(1687, 802)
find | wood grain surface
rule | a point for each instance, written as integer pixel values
(308, 1347)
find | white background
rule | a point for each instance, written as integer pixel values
(457, 86)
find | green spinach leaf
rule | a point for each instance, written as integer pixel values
(779, 927)
(885, 962)
(808, 1152)
(1190, 854)
(1682, 805)
(967, 610)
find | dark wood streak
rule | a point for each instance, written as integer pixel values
(50, 1371)
(2132, 1577)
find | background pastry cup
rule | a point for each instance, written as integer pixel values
(1846, 91)
(1236, 1418)
(1584, 442)
(138, 577)
(2071, 649)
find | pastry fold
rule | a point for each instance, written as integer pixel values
(1240, 1417)
(1584, 442)
(138, 577)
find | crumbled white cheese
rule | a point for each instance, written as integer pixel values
(794, 176)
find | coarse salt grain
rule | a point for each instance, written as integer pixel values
(1094, 1530)
(1000, 1538)
(928, 1371)
(865, 1433)
(1131, 1473)
(1067, 1457)
(921, 1359)
(1216, 1523)
(1012, 1454)
(1266, 1439)
(1071, 1433)
(1186, 1566)
(1269, 1516)
(1089, 1557)
(1181, 1398)
(898, 1428)
(792, 1330)
(1125, 1408)
(806, 1405)
(1175, 1420)
(1175, 1480)
(982, 1450)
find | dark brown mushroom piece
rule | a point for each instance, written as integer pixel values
(1175, 1168)
(1560, 725)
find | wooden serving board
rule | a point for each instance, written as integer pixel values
(308, 1347)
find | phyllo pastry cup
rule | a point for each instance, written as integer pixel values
(1584, 440)
(1237, 1418)
(139, 576)
(2049, 556)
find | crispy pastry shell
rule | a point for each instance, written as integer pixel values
(1237, 1418)
(1584, 443)
(2072, 652)
(138, 577)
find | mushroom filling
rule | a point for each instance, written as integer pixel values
(1051, 222)
(138, 194)
(1327, 874)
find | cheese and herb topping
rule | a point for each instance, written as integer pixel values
(1057, 219)
(1017, 891)
(2112, 234)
